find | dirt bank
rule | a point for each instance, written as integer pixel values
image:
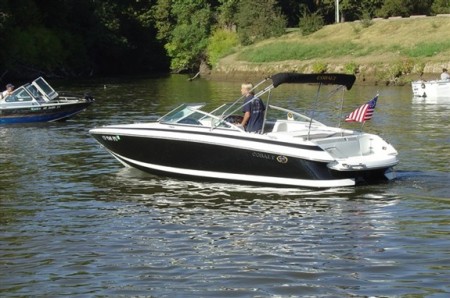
(387, 52)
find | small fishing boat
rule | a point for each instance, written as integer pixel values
(434, 88)
(39, 102)
(292, 150)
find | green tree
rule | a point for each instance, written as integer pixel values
(441, 6)
(184, 27)
(310, 23)
(226, 14)
(221, 43)
(258, 20)
(78, 37)
(352, 10)
(405, 8)
(125, 40)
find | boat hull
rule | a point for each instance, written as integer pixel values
(436, 88)
(42, 113)
(228, 158)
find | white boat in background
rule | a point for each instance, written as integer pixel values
(293, 150)
(434, 88)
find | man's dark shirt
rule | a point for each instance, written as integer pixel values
(256, 109)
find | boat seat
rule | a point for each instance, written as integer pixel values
(288, 125)
(280, 127)
(302, 134)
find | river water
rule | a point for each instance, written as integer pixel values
(74, 222)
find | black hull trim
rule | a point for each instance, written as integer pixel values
(238, 179)
(179, 154)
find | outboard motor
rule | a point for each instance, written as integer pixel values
(88, 97)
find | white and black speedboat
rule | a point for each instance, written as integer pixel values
(39, 102)
(293, 150)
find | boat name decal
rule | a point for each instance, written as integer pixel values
(279, 158)
(111, 138)
(263, 155)
(329, 78)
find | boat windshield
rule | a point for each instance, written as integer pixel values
(184, 113)
(191, 114)
(21, 94)
(34, 92)
(45, 88)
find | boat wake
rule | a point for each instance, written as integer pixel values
(433, 184)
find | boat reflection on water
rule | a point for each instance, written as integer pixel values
(132, 181)
(432, 100)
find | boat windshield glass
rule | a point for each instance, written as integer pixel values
(223, 110)
(45, 88)
(19, 95)
(34, 92)
(183, 114)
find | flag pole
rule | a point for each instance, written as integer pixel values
(362, 125)
(314, 110)
(341, 109)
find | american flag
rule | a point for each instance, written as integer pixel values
(364, 112)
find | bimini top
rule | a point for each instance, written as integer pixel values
(317, 78)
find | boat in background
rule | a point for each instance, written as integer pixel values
(434, 88)
(293, 150)
(39, 102)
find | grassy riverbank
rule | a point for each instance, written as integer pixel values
(392, 51)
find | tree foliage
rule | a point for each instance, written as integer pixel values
(184, 26)
(109, 37)
(257, 20)
(221, 43)
(77, 37)
(405, 8)
(310, 23)
(440, 7)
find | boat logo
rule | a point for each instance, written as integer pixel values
(282, 159)
(111, 138)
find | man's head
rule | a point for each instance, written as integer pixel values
(245, 88)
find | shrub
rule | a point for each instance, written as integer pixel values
(366, 20)
(440, 6)
(258, 20)
(319, 67)
(310, 23)
(220, 44)
(351, 68)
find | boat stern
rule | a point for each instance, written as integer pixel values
(363, 157)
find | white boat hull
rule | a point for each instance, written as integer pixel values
(277, 158)
(436, 88)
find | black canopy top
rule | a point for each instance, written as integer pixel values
(318, 78)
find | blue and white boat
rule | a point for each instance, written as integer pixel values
(39, 102)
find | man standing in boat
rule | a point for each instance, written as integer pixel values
(445, 75)
(253, 110)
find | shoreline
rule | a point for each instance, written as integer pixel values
(368, 79)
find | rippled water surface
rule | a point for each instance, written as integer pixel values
(74, 222)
